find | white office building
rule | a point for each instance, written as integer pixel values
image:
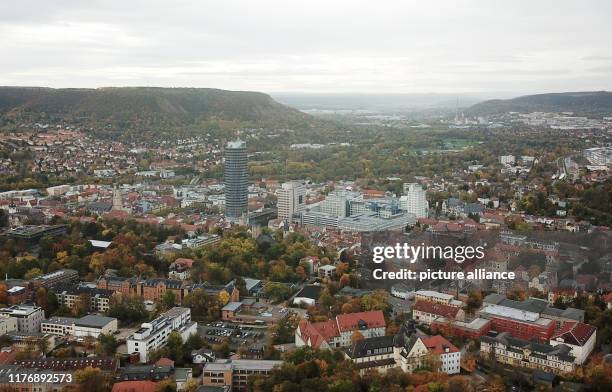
(507, 159)
(154, 334)
(414, 201)
(599, 156)
(291, 199)
(349, 211)
(337, 203)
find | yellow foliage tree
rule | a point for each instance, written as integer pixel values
(224, 297)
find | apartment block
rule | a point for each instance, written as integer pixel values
(28, 317)
(154, 334)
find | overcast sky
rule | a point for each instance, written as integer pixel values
(377, 46)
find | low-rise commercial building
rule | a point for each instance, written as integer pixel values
(90, 325)
(59, 326)
(94, 326)
(235, 373)
(435, 296)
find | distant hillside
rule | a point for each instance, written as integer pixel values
(597, 104)
(143, 107)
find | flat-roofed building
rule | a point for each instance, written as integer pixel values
(235, 373)
(434, 296)
(236, 179)
(90, 325)
(94, 326)
(472, 330)
(291, 199)
(521, 324)
(414, 201)
(154, 334)
(17, 295)
(59, 326)
(28, 317)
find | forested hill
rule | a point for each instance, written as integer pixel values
(146, 108)
(596, 104)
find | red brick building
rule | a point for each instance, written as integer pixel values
(541, 329)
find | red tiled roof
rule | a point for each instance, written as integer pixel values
(427, 221)
(187, 227)
(437, 344)
(436, 308)
(372, 193)
(134, 386)
(316, 333)
(350, 321)
(575, 333)
(184, 262)
(7, 357)
(165, 362)
(62, 364)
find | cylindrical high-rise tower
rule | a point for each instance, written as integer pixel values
(236, 180)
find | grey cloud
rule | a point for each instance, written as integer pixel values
(275, 45)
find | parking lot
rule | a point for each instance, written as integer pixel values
(217, 332)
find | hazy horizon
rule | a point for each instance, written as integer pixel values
(485, 49)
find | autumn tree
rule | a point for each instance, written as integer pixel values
(474, 301)
(91, 379)
(356, 336)
(32, 273)
(106, 345)
(223, 297)
(377, 300)
(3, 294)
(166, 385)
(168, 299)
